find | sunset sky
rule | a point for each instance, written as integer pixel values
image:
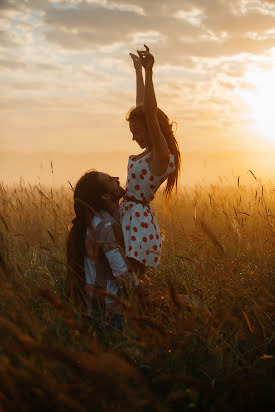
(67, 80)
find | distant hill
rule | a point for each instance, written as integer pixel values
(57, 168)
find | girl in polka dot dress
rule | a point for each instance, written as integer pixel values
(159, 162)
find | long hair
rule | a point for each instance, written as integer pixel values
(167, 130)
(87, 202)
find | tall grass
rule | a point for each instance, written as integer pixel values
(219, 356)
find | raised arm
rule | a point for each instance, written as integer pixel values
(160, 157)
(139, 79)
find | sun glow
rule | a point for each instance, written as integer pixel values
(260, 99)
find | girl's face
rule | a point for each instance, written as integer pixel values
(139, 131)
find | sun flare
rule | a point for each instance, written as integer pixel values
(261, 102)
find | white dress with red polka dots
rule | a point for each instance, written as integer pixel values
(140, 228)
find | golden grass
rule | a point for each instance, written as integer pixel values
(219, 244)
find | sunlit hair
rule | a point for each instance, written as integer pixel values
(166, 127)
(87, 202)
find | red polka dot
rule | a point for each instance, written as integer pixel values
(122, 214)
(157, 236)
(128, 180)
(151, 237)
(155, 247)
(142, 177)
(131, 166)
(127, 227)
(133, 175)
(137, 214)
(135, 229)
(156, 259)
(144, 171)
(147, 252)
(152, 186)
(171, 164)
(151, 178)
(145, 214)
(140, 161)
(133, 238)
(136, 253)
(144, 239)
(136, 187)
(142, 194)
(130, 248)
(144, 261)
(126, 208)
(131, 205)
(145, 225)
(131, 218)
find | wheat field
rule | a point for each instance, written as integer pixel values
(219, 244)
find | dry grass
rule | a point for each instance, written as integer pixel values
(219, 244)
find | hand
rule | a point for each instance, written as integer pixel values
(146, 58)
(136, 61)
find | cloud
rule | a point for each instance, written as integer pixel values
(227, 85)
(30, 85)
(233, 46)
(272, 2)
(16, 5)
(240, 24)
(8, 40)
(92, 25)
(44, 67)
(212, 29)
(11, 64)
(69, 58)
(216, 28)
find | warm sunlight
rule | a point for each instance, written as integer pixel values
(261, 102)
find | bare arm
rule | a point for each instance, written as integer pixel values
(139, 79)
(160, 153)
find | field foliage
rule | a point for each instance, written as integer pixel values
(219, 245)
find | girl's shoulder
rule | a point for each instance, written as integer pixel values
(170, 168)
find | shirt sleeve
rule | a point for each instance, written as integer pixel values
(109, 236)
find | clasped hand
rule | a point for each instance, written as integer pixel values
(144, 58)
